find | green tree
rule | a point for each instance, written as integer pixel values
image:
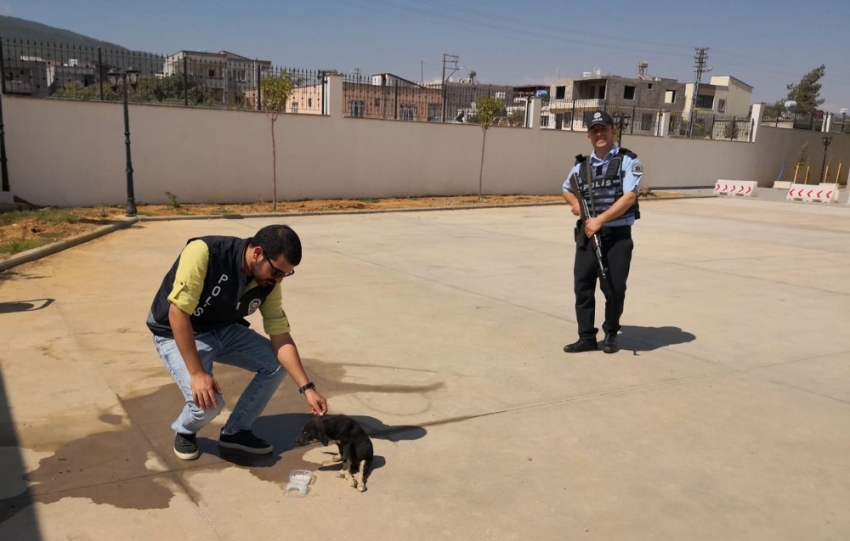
(803, 157)
(275, 92)
(75, 91)
(807, 92)
(487, 109)
(171, 89)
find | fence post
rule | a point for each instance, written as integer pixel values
(395, 102)
(711, 133)
(185, 80)
(100, 72)
(259, 88)
(757, 118)
(734, 131)
(2, 70)
(573, 115)
(533, 110)
(632, 123)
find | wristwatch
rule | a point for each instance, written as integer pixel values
(308, 385)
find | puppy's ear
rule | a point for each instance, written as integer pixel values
(323, 436)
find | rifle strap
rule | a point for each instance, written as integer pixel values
(587, 180)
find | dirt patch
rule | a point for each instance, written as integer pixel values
(28, 229)
(319, 205)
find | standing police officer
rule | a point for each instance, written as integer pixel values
(614, 182)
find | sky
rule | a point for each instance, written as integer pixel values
(766, 44)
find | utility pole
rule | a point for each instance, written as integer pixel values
(700, 59)
(451, 59)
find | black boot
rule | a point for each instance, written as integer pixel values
(610, 344)
(583, 344)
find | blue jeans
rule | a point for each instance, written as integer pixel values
(234, 345)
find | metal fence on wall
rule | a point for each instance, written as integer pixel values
(389, 97)
(840, 124)
(574, 115)
(189, 78)
(779, 117)
(703, 125)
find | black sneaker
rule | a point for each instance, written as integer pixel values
(186, 446)
(583, 344)
(610, 344)
(245, 440)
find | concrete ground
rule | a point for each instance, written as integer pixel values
(725, 416)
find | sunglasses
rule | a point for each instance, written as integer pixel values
(276, 272)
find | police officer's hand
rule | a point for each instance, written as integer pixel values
(204, 387)
(317, 402)
(592, 226)
(576, 210)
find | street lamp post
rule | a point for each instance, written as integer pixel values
(4, 169)
(124, 78)
(827, 139)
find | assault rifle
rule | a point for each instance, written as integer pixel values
(585, 212)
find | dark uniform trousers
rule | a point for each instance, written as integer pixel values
(617, 249)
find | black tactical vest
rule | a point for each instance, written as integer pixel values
(606, 182)
(223, 299)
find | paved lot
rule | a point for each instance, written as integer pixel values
(724, 417)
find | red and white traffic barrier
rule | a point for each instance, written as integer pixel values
(744, 188)
(824, 193)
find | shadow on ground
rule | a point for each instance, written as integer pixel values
(24, 306)
(637, 339)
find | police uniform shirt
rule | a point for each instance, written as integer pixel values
(632, 173)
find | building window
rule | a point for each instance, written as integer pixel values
(377, 102)
(500, 95)
(705, 102)
(309, 102)
(721, 106)
(560, 92)
(211, 72)
(649, 86)
(434, 111)
(544, 121)
(629, 93)
(408, 112)
(601, 94)
(295, 107)
(356, 109)
(646, 121)
(670, 96)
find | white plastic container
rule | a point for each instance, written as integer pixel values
(299, 481)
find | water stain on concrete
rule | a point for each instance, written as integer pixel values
(100, 465)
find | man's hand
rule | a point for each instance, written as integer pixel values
(316, 401)
(204, 387)
(576, 209)
(592, 226)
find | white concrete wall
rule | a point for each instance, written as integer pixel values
(69, 153)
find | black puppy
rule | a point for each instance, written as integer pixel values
(355, 447)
